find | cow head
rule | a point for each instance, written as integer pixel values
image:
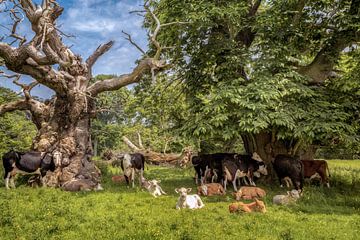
(154, 183)
(262, 169)
(257, 157)
(204, 190)
(260, 206)
(183, 191)
(294, 194)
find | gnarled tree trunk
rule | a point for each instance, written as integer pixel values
(64, 121)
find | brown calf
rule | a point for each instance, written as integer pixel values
(249, 193)
(257, 206)
(118, 179)
(211, 189)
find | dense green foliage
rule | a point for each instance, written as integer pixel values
(243, 68)
(119, 212)
(16, 131)
(153, 109)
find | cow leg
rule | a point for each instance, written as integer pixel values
(126, 179)
(133, 177)
(234, 184)
(12, 182)
(245, 181)
(141, 177)
(7, 177)
(225, 182)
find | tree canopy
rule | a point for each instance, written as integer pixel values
(287, 69)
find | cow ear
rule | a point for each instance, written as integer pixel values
(189, 190)
(176, 190)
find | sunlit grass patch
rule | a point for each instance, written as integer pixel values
(120, 212)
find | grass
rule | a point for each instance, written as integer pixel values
(119, 212)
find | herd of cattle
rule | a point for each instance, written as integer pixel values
(212, 174)
(213, 171)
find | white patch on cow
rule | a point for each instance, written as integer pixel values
(256, 157)
(263, 170)
(204, 190)
(315, 176)
(257, 174)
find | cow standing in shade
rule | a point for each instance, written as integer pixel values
(242, 167)
(291, 167)
(28, 163)
(313, 168)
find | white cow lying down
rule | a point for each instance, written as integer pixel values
(291, 197)
(188, 201)
(153, 187)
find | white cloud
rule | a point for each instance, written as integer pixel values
(95, 22)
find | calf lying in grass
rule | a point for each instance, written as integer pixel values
(75, 185)
(249, 193)
(211, 189)
(153, 187)
(257, 206)
(291, 197)
(188, 201)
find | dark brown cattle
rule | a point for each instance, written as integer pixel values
(313, 167)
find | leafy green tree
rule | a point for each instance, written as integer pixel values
(16, 130)
(268, 72)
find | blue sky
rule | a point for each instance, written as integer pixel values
(94, 22)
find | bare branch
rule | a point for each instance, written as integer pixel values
(156, 31)
(101, 49)
(321, 68)
(139, 140)
(128, 37)
(126, 79)
(13, 106)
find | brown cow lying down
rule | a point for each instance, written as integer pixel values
(211, 189)
(81, 185)
(249, 193)
(118, 179)
(257, 206)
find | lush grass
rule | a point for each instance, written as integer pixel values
(124, 213)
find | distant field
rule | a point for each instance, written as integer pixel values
(119, 212)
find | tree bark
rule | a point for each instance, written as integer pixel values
(64, 121)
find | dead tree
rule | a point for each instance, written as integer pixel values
(181, 159)
(63, 122)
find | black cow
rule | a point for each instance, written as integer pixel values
(291, 167)
(28, 163)
(131, 163)
(200, 165)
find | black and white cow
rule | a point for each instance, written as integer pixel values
(291, 167)
(242, 167)
(131, 163)
(28, 163)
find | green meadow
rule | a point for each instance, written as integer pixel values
(120, 212)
